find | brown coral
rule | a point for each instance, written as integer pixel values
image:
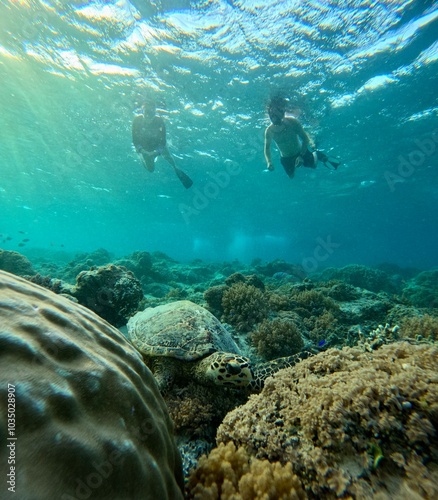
(197, 411)
(16, 263)
(230, 474)
(87, 414)
(112, 292)
(244, 306)
(276, 338)
(349, 422)
(424, 326)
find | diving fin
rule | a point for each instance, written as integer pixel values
(183, 177)
(323, 158)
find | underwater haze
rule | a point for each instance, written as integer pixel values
(361, 76)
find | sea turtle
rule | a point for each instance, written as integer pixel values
(182, 340)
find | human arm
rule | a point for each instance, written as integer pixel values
(267, 149)
(304, 138)
(137, 133)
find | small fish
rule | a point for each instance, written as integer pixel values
(25, 239)
(322, 343)
(22, 232)
(21, 244)
(8, 238)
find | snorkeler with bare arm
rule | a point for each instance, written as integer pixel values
(292, 141)
(149, 139)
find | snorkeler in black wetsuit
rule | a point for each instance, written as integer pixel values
(149, 139)
(292, 141)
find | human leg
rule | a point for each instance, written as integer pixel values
(289, 165)
(148, 161)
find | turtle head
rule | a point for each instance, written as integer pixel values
(227, 369)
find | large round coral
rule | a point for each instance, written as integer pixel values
(351, 423)
(14, 262)
(80, 414)
(113, 292)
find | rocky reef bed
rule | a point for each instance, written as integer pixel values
(359, 325)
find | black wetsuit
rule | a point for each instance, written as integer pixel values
(149, 136)
(288, 162)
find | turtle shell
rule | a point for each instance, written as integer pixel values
(181, 330)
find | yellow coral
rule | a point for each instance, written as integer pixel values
(228, 473)
(325, 415)
(425, 326)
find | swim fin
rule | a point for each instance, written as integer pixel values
(183, 177)
(323, 158)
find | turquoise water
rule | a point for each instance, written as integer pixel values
(361, 76)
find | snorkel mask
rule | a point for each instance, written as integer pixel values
(276, 114)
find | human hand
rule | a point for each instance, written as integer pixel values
(299, 161)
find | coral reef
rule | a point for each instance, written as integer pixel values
(84, 262)
(213, 296)
(197, 411)
(51, 284)
(139, 263)
(231, 474)
(112, 292)
(252, 279)
(420, 327)
(351, 423)
(244, 306)
(280, 266)
(374, 280)
(343, 291)
(275, 338)
(90, 421)
(422, 291)
(15, 263)
(313, 303)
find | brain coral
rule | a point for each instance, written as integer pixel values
(87, 414)
(352, 424)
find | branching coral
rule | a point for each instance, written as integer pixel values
(314, 303)
(321, 327)
(244, 306)
(230, 474)
(197, 411)
(425, 326)
(329, 414)
(276, 338)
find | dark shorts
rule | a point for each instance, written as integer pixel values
(288, 162)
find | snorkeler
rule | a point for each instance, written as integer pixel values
(292, 141)
(149, 138)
